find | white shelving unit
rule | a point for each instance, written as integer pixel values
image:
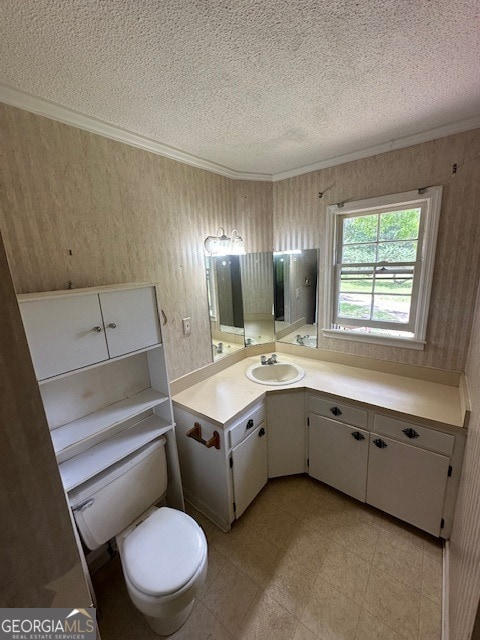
(100, 363)
(79, 435)
(75, 471)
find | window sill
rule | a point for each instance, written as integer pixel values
(404, 343)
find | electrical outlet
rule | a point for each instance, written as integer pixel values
(187, 326)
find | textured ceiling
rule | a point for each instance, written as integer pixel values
(254, 85)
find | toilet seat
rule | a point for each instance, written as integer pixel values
(164, 552)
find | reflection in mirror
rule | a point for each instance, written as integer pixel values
(257, 291)
(240, 301)
(295, 292)
(225, 304)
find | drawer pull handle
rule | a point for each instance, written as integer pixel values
(336, 411)
(261, 432)
(84, 505)
(411, 433)
(380, 443)
(358, 436)
(97, 329)
(250, 423)
(196, 434)
(112, 325)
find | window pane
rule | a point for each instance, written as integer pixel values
(397, 251)
(360, 229)
(387, 281)
(391, 308)
(399, 225)
(356, 283)
(354, 305)
(359, 253)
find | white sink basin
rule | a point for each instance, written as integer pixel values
(280, 373)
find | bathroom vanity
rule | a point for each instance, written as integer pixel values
(100, 363)
(393, 442)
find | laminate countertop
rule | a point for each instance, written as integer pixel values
(224, 395)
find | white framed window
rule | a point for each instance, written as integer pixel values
(379, 267)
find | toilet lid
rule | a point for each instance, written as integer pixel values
(164, 552)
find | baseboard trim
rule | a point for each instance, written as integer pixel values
(445, 592)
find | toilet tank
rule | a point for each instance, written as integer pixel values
(106, 504)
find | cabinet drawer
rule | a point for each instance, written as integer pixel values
(338, 410)
(246, 424)
(414, 434)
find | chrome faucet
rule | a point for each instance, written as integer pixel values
(300, 339)
(218, 347)
(271, 360)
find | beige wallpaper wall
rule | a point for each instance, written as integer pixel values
(299, 223)
(465, 538)
(128, 215)
(257, 283)
(125, 215)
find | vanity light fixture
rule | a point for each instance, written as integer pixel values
(238, 248)
(222, 245)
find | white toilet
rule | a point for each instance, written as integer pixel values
(163, 550)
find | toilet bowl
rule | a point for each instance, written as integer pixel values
(163, 550)
(164, 560)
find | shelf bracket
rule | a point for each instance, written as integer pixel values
(196, 434)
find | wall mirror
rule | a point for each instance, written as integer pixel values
(295, 295)
(257, 291)
(240, 301)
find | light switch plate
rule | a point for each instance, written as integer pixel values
(187, 326)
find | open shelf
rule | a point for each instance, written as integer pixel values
(86, 465)
(88, 431)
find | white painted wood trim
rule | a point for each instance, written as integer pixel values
(40, 106)
(446, 592)
(399, 143)
(430, 201)
(404, 343)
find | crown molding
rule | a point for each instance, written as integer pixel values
(400, 143)
(40, 106)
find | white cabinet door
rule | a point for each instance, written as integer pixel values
(64, 333)
(338, 455)
(286, 434)
(407, 482)
(131, 320)
(249, 469)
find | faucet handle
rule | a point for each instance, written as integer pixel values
(263, 359)
(274, 357)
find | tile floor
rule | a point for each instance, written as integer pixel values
(303, 563)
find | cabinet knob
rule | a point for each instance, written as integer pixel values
(250, 423)
(97, 329)
(112, 325)
(336, 411)
(378, 442)
(411, 433)
(261, 432)
(358, 436)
